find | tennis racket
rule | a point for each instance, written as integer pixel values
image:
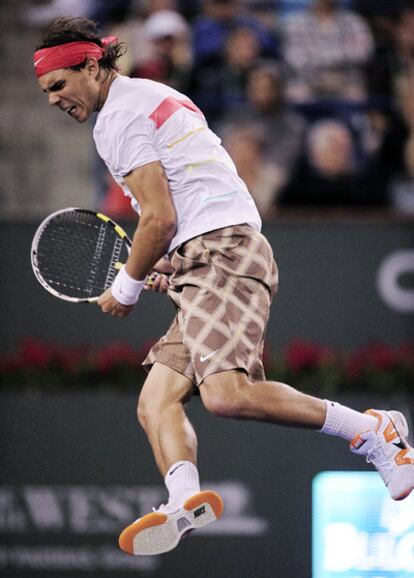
(76, 254)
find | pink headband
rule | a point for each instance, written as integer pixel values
(66, 55)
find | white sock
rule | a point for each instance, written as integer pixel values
(345, 422)
(182, 481)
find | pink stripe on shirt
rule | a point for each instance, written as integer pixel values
(168, 107)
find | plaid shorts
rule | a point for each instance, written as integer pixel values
(222, 287)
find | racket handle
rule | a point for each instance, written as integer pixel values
(151, 278)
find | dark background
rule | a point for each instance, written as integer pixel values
(74, 444)
(75, 467)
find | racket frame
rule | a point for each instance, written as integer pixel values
(39, 231)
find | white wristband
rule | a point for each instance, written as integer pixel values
(125, 289)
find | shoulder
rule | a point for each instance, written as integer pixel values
(138, 95)
(130, 100)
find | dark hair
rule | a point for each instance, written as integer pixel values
(64, 29)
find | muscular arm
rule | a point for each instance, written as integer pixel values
(158, 220)
(155, 230)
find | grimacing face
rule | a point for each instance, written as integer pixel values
(75, 92)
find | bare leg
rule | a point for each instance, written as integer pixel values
(231, 394)
(174, 444)
(161, 414)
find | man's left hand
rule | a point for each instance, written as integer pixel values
(111, 306)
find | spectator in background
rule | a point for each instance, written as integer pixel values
(402, 66)
(393, 57)
(245, 144)
(40, 14)
(402, 186)
(108, 12)
(266, 12)
(170, 57)
(190, 9)
(392, 99)
(377, 8)
(326, 50)
(218, 87)
(212, 28)
(283, 129)
(402, 73)
(329, 175)
(285, 7)
(131, 27)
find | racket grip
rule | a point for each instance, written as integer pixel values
(151, 278)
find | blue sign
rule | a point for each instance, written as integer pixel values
(358, 530)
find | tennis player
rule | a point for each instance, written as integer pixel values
(194, 208)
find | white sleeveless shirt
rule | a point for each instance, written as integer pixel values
(143, 121)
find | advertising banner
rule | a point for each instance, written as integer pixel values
(358, 530)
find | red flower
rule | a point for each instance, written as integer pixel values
(35, 354)
(72, 359)
(356, 364)
(405, 354)
(381, 358)
(301, 355)
(377, 356)
(9, 363)
(115, 355)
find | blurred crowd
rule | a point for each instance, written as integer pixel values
(313, 99)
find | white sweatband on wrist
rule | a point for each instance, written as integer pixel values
(125, 289)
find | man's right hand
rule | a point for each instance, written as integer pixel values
(159, 278)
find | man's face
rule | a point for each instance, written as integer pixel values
(263, 90)
(76, 92)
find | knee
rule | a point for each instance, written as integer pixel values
(143, 412)
(154, 404)
(164, 390)
(149, 409)
(225, 396)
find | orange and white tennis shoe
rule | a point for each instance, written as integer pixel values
(162, 530)
(388, 450)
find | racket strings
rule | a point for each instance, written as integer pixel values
(77, 254)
